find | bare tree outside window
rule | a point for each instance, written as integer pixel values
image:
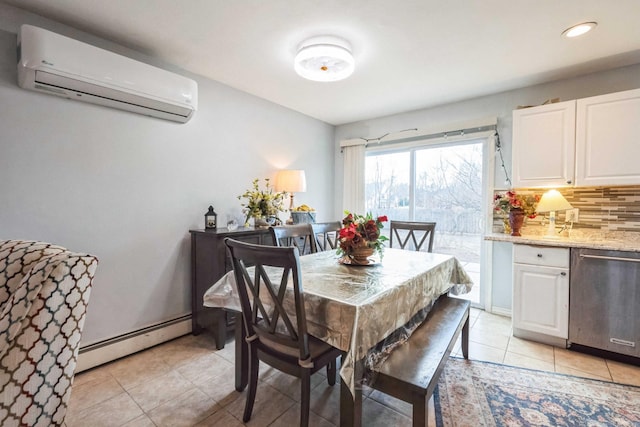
(448, 191)
(387, 184)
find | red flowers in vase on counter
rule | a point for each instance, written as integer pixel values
(513, 208)
(504, 203)
(361, 234)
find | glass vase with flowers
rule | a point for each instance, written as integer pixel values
(262, 204)
(513, 208)
(360, 237)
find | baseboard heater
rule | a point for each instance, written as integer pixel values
(105, 351)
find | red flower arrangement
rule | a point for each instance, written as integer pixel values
(361, 231)
(504, 203)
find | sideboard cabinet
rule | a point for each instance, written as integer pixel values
(209, 262)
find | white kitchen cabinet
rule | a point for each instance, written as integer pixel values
(589, 142)
(541, 294)
(608, 139)
(544, 145)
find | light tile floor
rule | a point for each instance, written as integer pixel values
(186, 382)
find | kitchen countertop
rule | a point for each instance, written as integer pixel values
(617, 241)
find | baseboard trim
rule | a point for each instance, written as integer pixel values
(501, 311)
(541, 338)
(114, 348)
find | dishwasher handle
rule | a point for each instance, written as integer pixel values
(610, 258)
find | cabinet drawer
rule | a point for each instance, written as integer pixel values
(538, 255)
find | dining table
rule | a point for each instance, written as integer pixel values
(357, 307)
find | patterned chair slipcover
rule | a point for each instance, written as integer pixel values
(44, 291)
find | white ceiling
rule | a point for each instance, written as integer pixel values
(410, 54)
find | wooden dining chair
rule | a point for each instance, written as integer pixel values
(418, 232)
(326, 235)
(271, 335)
(300, 235)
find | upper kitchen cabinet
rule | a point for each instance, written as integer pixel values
(543, 147)
(608, 139)
(589, 142)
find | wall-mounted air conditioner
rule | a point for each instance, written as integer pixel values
(58, 65)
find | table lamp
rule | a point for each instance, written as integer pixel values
(552, 201)
(291, 181)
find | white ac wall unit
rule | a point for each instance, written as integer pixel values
(58, 65)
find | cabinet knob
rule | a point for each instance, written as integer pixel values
(563, 273)
(539, 255)
(569, 182)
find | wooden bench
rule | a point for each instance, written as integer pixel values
(412, 370)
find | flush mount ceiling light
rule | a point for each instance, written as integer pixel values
(324, 59)
(579, 29)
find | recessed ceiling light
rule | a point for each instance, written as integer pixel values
(579, 29)
(324, 59)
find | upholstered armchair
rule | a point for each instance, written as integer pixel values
(44, 291)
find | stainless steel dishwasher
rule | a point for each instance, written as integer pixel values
(604, 301)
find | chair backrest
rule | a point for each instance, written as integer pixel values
(41, 324)
(326, 235)
(412, 235)
(262, 290)
(300, 235)
(17, 258)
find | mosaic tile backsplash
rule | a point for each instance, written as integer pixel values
(601, 208)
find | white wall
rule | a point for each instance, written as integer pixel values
(128, 188)
(502, 274)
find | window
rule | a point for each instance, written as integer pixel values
(440, 183)
(387, 184)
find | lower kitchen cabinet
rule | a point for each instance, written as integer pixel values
(541, 294)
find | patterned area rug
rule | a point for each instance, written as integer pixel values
(472, 393)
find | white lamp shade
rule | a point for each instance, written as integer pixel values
(552, 201)
(291, 181)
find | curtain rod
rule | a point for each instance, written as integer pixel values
(432, 132)
(438, 135)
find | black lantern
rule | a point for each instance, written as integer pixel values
(210, 219)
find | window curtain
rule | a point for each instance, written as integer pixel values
(353, 182)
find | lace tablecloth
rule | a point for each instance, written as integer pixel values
(355, 307)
